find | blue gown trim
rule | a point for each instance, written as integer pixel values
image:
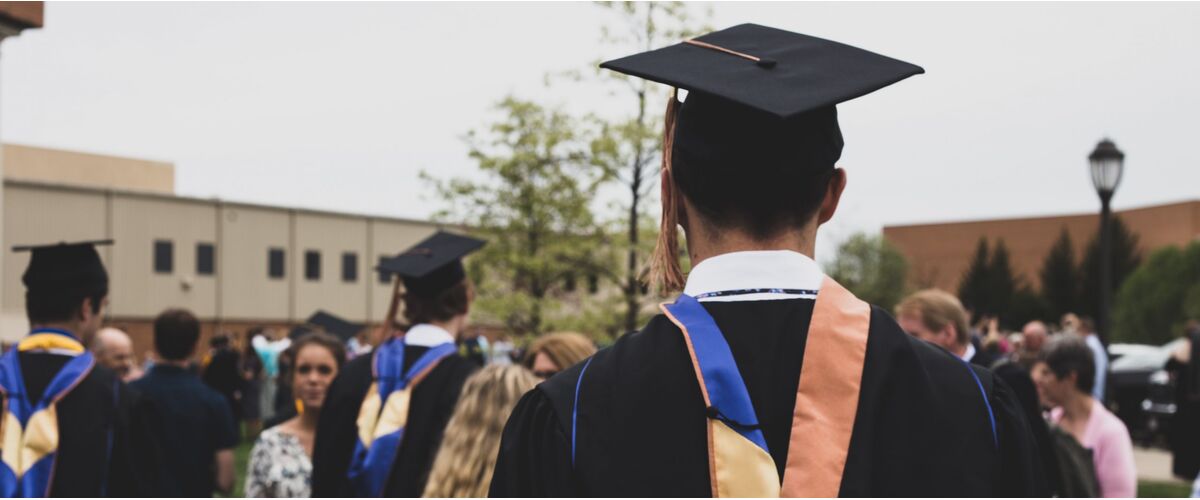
(987, 404)
(371, 464)
(575, 409)
(35, 481)
(728, 398)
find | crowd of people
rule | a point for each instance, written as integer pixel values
(763, 378)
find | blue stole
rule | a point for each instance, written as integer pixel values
(29, 433)
(384, 413)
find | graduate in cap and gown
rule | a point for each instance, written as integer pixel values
(385, 412)
(69, 427)
(765, 377)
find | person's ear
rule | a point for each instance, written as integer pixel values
(833, 195)
(85, 310)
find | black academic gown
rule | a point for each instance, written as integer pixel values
(100, 407)
(429, 410)
(922, 428)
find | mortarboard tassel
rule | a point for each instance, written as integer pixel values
(665, 271)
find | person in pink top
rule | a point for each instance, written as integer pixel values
(1064, 375)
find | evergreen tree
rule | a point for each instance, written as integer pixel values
(1001, 283)
(973, 289)
(1125, 258)
(1060, 278)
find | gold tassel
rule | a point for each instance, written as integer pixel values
(665, 272)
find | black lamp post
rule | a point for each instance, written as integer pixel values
(1107, 164)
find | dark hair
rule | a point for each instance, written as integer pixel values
(763, 201)
(319, 339)
(446, 305)
(176, 332)
(219, 341)
(60, 305)
(1069, 353)
(1087, 325)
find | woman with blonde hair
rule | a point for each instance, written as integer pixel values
(556, 352)
(467, 457)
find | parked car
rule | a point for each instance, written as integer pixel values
(1140, 391)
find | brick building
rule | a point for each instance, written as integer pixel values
(939, 254)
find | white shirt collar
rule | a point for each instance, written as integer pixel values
(426, 335)
(969, 353)
(752, 270)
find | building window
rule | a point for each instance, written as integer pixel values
(385, 277)
(349, 267)
(164, 257)
(312, 265)
(205, 259)
(275, 263)
(593, 281)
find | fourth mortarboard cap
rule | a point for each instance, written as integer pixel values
(771, 70)
(762, 97)
(433, 265)
(64, 267)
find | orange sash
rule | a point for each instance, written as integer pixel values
(823, 420)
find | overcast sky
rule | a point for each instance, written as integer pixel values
(340, 106)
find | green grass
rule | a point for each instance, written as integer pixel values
(1156, 489)
(241, 458)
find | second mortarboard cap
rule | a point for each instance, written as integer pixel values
(64, 266)
(762, 97)
(433, 265)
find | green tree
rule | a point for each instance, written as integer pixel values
(973, 290)
(872, 269)
(1002, 284)
(1060, 278)
(628, 148)
(1159, 296)
(532, 203)
(1125, 258)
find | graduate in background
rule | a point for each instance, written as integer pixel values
(76, 428)
(765, 378)
(385, 413)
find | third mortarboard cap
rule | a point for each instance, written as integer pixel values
(334, 325)
(433, 265)
(771, 70)
(64, 266)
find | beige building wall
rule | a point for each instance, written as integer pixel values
(138, 222)
(247, 292)
(330, 237)
(240, 293)
(56, 166)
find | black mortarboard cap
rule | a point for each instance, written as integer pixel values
(334, 325)
(433, 265)
(65, 266)
(758, 94)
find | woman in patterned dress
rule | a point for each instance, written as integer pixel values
(281, 462)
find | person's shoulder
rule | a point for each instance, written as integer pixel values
(915, 357)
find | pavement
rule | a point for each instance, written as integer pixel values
(1154, 464)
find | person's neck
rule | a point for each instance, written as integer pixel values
(1078, 407)
(69, 326)
(453, 325)
(707, 242)
(177, 363)
(308, 419)
(958, 350)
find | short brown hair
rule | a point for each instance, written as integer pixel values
(444, 306)
(176, 332)
(565, 349)
(937, 309)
